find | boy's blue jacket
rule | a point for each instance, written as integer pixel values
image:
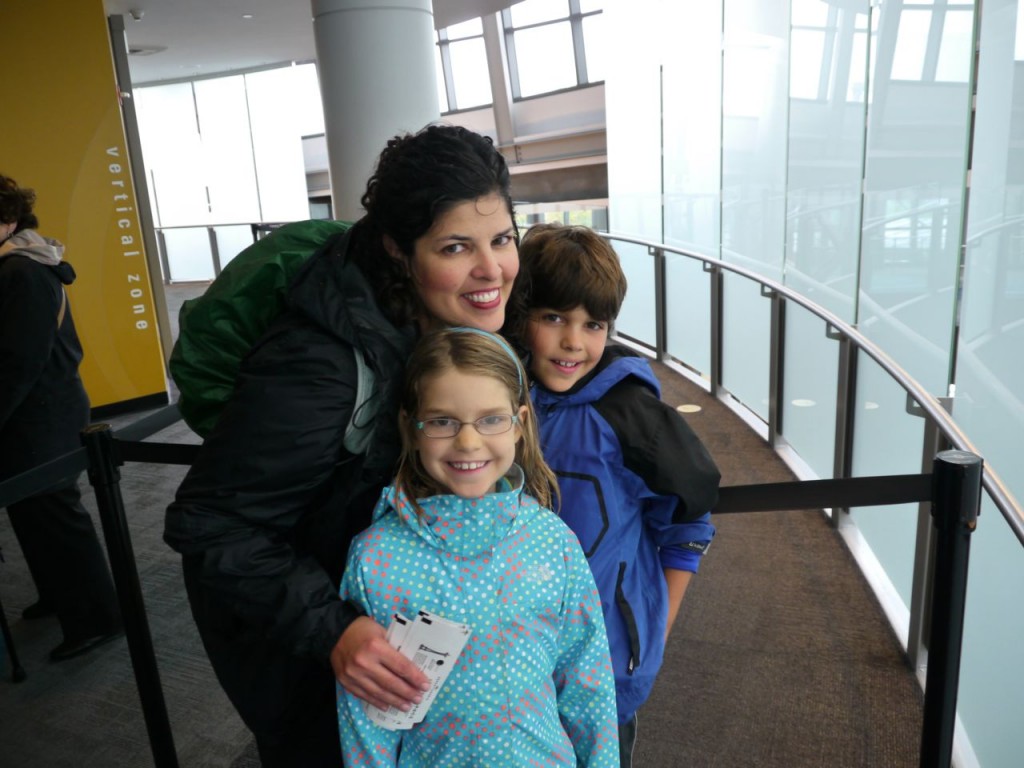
(637, 486)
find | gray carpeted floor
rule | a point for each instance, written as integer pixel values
(780, 656)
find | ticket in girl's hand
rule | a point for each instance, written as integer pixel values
(433, 643)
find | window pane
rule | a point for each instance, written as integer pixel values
(305, 97)
(469, 70)
(586, 6)
(277, 146)
(911, 41)
(227, 157)
(954, 63)
(545, 57)
(536, 11)
(809, 13)
(807, 56)
(858, 63)
(470, 28)
(442, 91)
(595, 43)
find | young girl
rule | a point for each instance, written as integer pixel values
(465, 534)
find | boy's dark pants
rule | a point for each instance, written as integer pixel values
(627, 740)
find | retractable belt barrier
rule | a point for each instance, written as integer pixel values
(953, 488)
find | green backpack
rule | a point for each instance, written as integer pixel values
(217, 330)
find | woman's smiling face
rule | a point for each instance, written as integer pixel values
(464, 266)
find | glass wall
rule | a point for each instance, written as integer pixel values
(828, 146)
(224, 151)
(827, 106)
(918, 124)
(692, 140)
(989, 401)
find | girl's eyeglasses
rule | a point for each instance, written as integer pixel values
(495, 424)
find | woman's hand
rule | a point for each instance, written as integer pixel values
(370, 669)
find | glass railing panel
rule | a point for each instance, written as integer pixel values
(827, 104)
(914, 187)
(991, 695)
(688, 312)
(887, 441)
(692, 148)
(637, 318)
(755, 71)
(746, 342)
(989, 402)
(633, 97)
(188, 254)
(811, 368)
(231, 240)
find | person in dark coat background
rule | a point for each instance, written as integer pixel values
(43, 408)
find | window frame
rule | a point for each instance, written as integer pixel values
(575, 18)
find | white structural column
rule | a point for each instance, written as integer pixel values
(377, 79)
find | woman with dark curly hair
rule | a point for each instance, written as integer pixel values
(265, 516)
(43, 408)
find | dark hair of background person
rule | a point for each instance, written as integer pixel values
(16, 205)
(418, 178)
(477, 354)
(577, 268)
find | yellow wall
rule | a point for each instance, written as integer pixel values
(61, 134)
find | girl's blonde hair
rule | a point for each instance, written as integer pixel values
(478, 353)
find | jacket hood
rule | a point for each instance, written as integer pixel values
(616, 364)
(30, 243)
(333, 293)
(464, 527)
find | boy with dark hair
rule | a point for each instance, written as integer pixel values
(636, 482)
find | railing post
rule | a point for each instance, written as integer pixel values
(716, 280)
(776, 366)
(924, 550)
(660, 310)
(104, 477)
(846, 409)
(956, 483)
(211, 233)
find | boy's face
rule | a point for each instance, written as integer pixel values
(566, 345)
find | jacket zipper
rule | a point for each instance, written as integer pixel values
(630, 621)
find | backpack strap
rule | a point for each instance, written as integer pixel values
(364, 410)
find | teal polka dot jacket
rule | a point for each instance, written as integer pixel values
(534, 684)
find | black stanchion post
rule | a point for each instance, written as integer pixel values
(104, 477)
(956, 482)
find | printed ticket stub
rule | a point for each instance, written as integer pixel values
(433, 643)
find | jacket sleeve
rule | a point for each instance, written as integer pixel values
(29, 304)
(271, 454)
(679, 476)
(584, 683)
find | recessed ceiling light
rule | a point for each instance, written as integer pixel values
(246, 15)
(688, 408)
(803, 402)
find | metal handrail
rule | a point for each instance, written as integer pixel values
(1010, 509)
